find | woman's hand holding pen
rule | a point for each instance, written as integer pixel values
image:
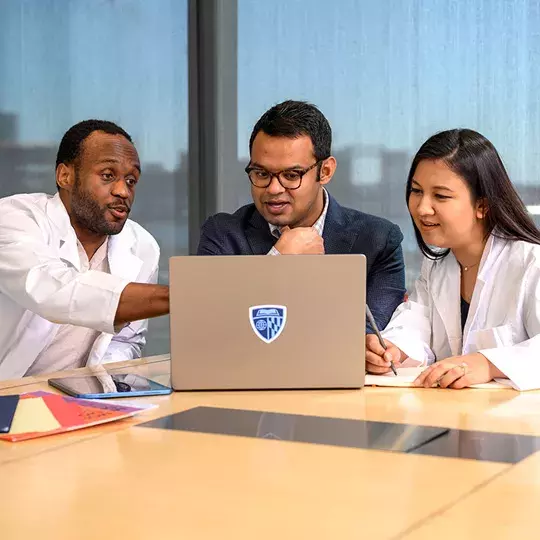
(378, 359)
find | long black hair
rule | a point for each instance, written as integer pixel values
(470, 155)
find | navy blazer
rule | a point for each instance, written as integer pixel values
(246, 232)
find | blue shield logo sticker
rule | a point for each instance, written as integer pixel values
(268, 321)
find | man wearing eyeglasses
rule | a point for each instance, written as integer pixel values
(293, 213)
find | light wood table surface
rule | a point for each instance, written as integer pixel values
(122, 481)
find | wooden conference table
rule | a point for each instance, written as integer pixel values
(128, 482)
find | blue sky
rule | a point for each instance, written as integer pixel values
(385, 72)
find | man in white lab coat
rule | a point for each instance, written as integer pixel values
(77, 278)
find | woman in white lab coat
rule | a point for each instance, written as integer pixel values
(475, 312)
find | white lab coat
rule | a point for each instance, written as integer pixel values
(41, 285)
(504, 316)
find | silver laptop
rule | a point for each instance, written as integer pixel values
(262, 322)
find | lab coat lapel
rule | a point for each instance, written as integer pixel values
(57, 213)
(446, 298)
(122, 261)
(477, 310)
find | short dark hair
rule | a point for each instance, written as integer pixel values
(294, 119)
(470, 155)
(70, 146)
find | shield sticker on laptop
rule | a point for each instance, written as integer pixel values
(268, 321)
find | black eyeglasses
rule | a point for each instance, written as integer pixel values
(288, 178)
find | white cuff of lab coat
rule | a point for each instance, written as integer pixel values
(521, 367)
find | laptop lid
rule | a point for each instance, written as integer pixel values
(262, 322)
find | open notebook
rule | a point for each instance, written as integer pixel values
(407, 375)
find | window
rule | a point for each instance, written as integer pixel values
(390, 73)
(120, 60)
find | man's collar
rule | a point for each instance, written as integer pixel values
(58, 215)
(318, 225)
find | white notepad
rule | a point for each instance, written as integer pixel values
(406, 377)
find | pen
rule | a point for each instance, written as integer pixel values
(376, 330)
